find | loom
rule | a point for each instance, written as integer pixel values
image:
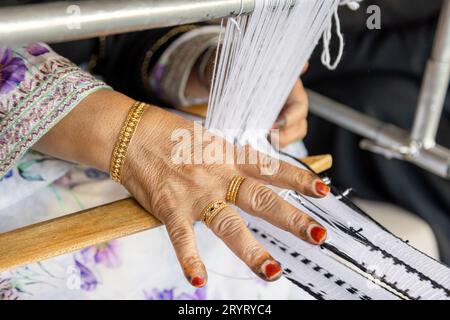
(58, 22)
(336, 272)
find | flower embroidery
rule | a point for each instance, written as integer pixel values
(166, 294)
(12, 70)
(88, 279)
(36, 49)
(169, 294)
(103, 254)
(95, 174)
(199, 294)
(7, 175)
(7, 290)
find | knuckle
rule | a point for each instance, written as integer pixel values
(299, 178)
(268, 166)
(261, 198)
(302, 178)
(252, 254)
(298, 222)
(165, 214)
(190, 262)
(228, 226)
(179, 236)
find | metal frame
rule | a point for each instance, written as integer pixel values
(382, 138)
(418, 146)
(60, 21)
(75, 20)
(435, 85)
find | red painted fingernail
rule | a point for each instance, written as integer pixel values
(271, 269)
(198, 282)
(322, 188)
(318, 234)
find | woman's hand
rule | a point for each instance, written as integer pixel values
(175, 192)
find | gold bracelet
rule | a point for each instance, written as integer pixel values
(129, 127)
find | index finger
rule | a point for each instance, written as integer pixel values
(285, 175)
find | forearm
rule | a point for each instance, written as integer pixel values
(88, 133)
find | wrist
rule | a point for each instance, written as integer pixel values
(88, 133)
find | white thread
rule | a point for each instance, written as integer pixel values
(352, 4)
(241, 11)
(270, 46)
(326, 55)
(236, 24)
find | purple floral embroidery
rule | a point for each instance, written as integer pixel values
(95, 174)
(169, 294)
(36, 49)
(104, 254)
(7, 175)
(12, 70)
(199, 294)
(166, 294)
(7, 290)
(89, 281)
(66, 181)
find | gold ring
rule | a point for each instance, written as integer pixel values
(233, 189)
(212, 210)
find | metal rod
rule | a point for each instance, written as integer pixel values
(75, 20)
(386, 139)
(434, 86)
(344, 116)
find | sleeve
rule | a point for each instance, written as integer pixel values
(37, 89)
(155, 65)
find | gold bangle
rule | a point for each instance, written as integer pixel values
(127, 132)
(211, 211)
(233, 189)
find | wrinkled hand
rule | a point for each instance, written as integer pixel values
(177, 193)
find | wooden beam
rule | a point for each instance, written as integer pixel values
(320, 163)
(73, 232)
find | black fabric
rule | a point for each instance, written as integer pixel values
(122, 62)
(380, 75)
(394, 13)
